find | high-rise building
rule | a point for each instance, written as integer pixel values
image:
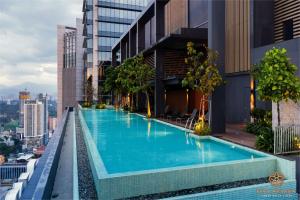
(104, 22)
(44, 99)
(23, 96)
(34, 122)
(69, 66)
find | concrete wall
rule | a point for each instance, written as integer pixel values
(263, 22)
(79, 61)
(60, 51)
(69, 87)
(238, 98)
(216, 41)
(289, 113)
(198, 13)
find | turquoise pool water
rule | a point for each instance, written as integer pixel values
(130, 143)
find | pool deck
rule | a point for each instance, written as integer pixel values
(63, 185)
(235, 133)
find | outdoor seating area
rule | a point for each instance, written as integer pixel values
(183, 119)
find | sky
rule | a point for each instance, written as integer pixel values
(28, 39)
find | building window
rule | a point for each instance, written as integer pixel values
(104, 56)
(288, 31)
(90, 57)
(106, 41)
(90, 43)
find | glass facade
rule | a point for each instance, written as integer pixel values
(131, 2)
(106, 41)
(124, 14)
(70, 49)
(114, 18)
(89, 29)
(112, 27)
(113, 21)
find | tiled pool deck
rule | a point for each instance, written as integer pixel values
(155, 181)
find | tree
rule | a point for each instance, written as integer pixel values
(127, 78)
(110, 84)
(133, 77)
(276, 78)
(203, 74)
(144, 73)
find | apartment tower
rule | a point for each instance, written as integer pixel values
(23, 96)
(69, 66)
(34, 122)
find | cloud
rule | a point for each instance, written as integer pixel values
(28, 38)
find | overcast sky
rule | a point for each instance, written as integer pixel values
(28, 38)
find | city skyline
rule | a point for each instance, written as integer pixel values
(31, 61)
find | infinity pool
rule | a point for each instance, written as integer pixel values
(131, 143)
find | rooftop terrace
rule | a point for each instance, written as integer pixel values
(64, 172)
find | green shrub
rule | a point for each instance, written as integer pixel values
(261, 116)
(296, 143)
(100, 106)
(255, 127)
(265, 139)
(202, 128)
(262, 119)
(86, 104)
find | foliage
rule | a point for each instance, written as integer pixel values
(296, 143)
(202, 128)
(111, 75)
(265, 139)
(261, 115)
(276, 78)
(262, 118)
(134, 75)
(144, 74)
(203, 74)
(86, 104)
(11, 125)
(6, 150)
(100, 106)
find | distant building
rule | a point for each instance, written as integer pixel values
(33, 123)
(44, 99)
(69, 66)
(23, 96)
(52, 123)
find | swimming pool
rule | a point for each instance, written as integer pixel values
(128, 142)
(131, 156)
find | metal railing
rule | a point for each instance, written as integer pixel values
(12, 171)
(287, 139)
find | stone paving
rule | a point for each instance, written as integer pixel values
(86, 185)
(201, 189)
